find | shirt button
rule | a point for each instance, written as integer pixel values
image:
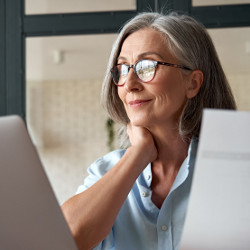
(144, 194)
(148, 177)
(164, 228)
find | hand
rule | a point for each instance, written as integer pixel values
(142, 139)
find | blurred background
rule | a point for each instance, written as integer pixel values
(63, 83)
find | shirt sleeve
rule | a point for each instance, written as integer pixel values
(99, 168)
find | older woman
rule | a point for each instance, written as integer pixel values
(163, 71)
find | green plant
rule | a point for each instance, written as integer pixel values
(111, 133)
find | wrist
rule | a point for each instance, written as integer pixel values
(140, 154)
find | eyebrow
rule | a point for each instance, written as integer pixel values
(142, 56)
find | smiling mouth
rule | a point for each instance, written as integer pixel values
(137, 103)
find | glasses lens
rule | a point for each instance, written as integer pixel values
(119, 74)
(145, 70)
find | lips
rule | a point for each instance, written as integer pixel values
(138, 102)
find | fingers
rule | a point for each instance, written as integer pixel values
(141, 139)
(138, 135)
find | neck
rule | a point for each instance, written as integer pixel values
(172, 150)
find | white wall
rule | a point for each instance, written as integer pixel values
(68, 126)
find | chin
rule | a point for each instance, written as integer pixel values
(139, 122)
(141, 119)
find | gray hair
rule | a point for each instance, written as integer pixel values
(192, 46)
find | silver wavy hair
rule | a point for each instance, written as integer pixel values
(192, 46)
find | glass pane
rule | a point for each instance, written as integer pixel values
(218, 2)
(233, 47)
(64, 115)
(66, 6)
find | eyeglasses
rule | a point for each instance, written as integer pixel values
(144, 69)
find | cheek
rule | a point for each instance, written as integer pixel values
(121, 93)
(170, 92)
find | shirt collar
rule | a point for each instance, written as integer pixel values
(145, 178)
(187, 165)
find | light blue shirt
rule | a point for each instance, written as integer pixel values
(140, 225)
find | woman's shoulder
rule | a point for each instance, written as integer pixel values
(103, 164)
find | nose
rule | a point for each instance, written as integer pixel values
(132, 82)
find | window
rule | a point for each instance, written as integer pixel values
(73, 6)
(218, 2)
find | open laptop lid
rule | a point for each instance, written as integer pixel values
(30, 217)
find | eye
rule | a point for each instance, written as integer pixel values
(123, 69)
(145, 69)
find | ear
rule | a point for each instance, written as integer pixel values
(194, 83)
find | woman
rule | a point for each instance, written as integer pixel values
(163, 71)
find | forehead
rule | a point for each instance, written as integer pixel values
(143, 41)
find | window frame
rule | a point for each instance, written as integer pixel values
(16, 26)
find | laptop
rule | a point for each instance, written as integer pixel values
(30, 216)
